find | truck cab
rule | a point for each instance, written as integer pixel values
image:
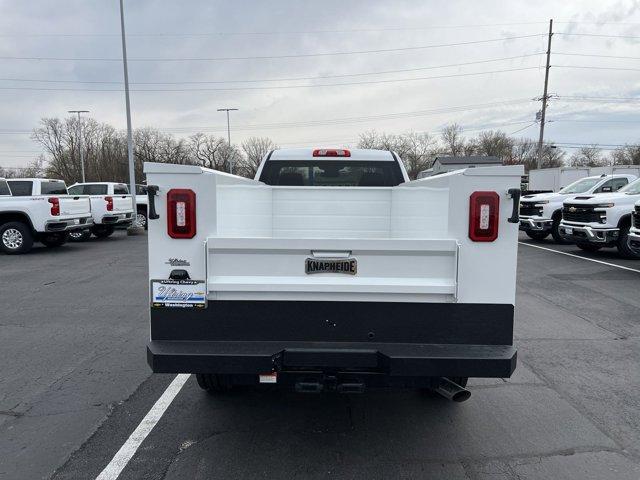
(596, 221)
(332, 271)
(540, 214)
(39, 210)
(111, 206)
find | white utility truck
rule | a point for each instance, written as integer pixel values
(332, 271)
(596, 221)
(554, 179)
(111, 206)
(39, 209)
(634, 231)
(540, 214)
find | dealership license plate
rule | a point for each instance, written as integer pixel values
(179, 293)
(568, 231)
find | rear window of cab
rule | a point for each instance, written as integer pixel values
(332, 173)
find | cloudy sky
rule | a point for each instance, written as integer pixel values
(319, 73)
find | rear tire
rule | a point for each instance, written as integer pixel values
(79, 235)
(213, 383)
(102, 231)
(588, 247)
(537, 235)
(555, 231)
(53, 240)
(624, 249)
(15, 238)
(141, 218)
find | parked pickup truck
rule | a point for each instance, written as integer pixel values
(332, 271)
(634, 231)
(540, 214)
(596, 221)
(38, 210)
(110, 204)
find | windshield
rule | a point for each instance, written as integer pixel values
(332, 173)
(580, 186)
(631, 189)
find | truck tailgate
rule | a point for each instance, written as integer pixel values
(122, 203)
(398, 269)
(74, 205)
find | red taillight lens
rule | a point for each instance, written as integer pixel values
(484, 210)
(55, 206)
(181, 213)
(331, 152)
(109, 201)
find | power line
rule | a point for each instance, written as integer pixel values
(521, 129)
(596, 99)
(258, 33)
(200, 82)
(275, 87)
(569, 34)
(591, 67)
(596, 55)
(271, 57)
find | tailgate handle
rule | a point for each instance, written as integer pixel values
(514, 193)
(152, 191)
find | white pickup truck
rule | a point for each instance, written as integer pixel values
(332, 271)
(596, 221)
(540, 214)
(111, 206)
(38, 209)
(142, 204)
(634, 231)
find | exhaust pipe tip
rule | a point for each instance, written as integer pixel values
(452, 391)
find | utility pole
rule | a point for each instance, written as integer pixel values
(134, 229)
(80, 139)
(229, 134)
(544, 95)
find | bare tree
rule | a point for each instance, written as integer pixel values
(419, 150)
(205, 151)
(590, 156)
(496, 144)
(254, 148)
(627, 155)
(453, 140)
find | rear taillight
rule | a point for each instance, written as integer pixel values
(181, 213)
(55, 206)
(331, 152)
(484, 208)
(109, 201)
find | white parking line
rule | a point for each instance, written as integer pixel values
(128, 450)
(581, 257)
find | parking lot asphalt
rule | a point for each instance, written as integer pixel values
(75, 385)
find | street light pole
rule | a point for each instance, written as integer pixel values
(134, 229)
(80, 139)
(229, 134)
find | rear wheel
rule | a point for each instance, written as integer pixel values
(588, 247)
(53, 240)
(141, 218)
(623, 244)
(555, 231)
(15, 238)
(537, 235)
(213, 383)
(102, 231)
(79, 235)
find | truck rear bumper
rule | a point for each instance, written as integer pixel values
(402, 360)
(68, 224)
(382, 338)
